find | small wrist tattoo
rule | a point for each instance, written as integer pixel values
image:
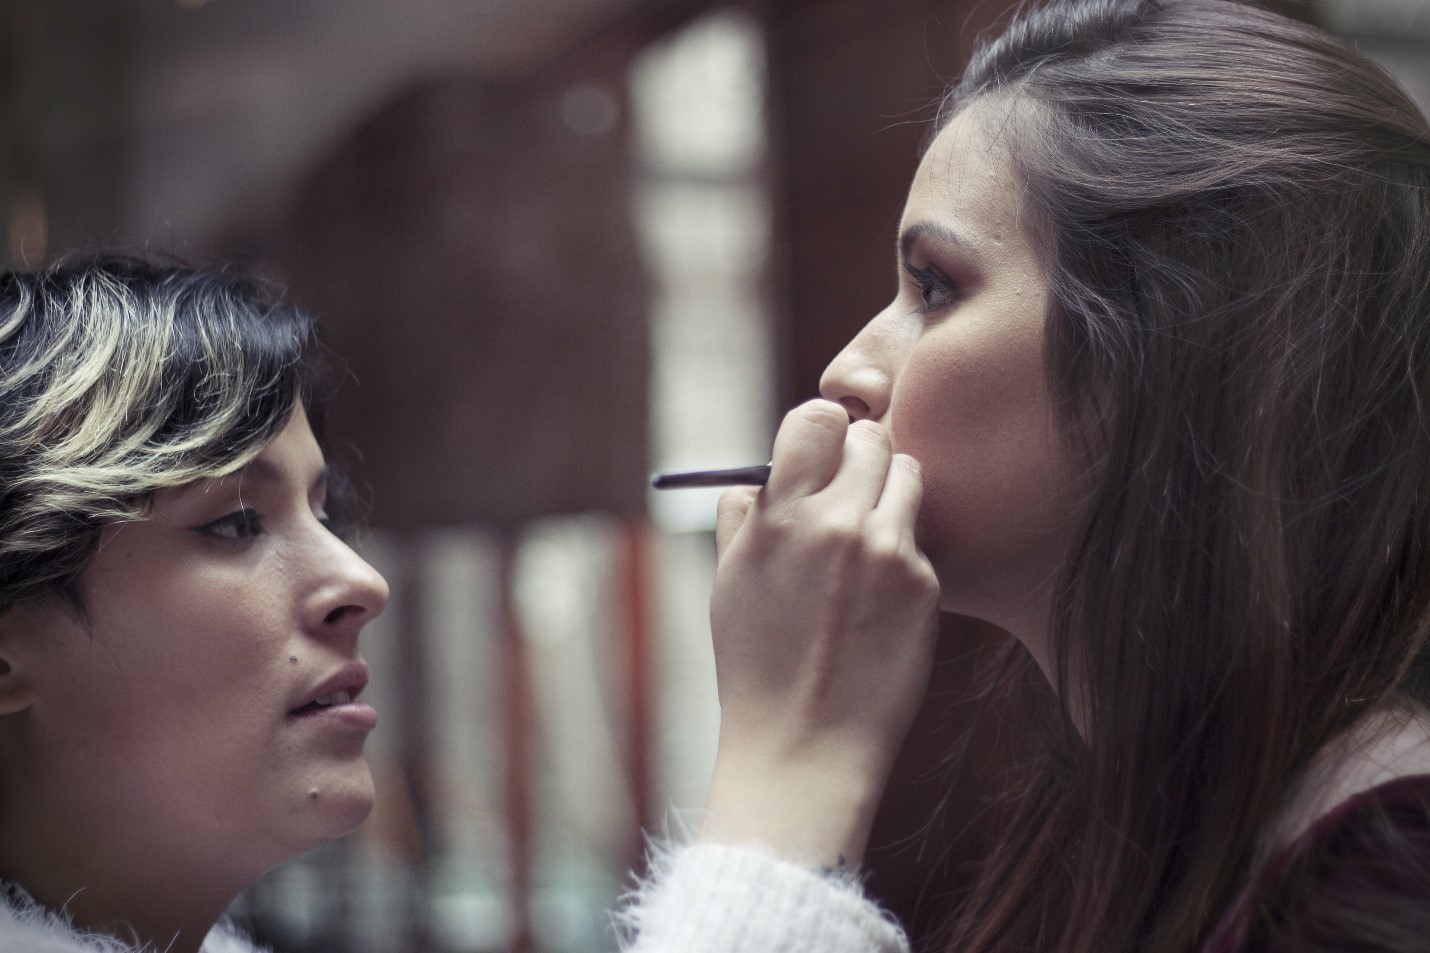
(840, 868)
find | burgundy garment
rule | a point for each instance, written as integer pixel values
(1358, 881)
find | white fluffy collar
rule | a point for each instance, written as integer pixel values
(28, 927)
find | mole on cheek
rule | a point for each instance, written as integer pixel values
(313, 794)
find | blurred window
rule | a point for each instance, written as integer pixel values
(703, 214)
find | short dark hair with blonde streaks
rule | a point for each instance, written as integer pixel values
(120, 378)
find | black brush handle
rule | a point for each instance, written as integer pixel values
(738, 476)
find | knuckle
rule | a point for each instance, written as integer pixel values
(873, 433)
(824, 414)
(845, 535)
(845, 528)
(925, 585)
(926, 579)
(735, 499)
(892, 562)
(902, 565)
(910, 465)
(779, 524)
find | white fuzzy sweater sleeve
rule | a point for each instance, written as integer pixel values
(715, 898)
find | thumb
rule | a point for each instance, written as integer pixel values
(730, 514)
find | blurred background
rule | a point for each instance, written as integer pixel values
(560, 244)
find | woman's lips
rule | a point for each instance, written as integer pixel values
(354, 714)
(334, 699)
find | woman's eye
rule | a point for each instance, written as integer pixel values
(241, 524)
(935, 290)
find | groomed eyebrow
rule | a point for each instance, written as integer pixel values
(262, 471)
(939, 233)
(259, 470)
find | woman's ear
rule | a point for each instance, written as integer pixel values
(16, 692)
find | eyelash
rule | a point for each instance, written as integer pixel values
(932, 283)
(247, 524)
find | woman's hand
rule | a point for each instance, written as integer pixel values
(823, 615)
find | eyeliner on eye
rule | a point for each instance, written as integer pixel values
(935, 290)
(242, 524)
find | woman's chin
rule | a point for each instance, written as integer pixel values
(332, 807)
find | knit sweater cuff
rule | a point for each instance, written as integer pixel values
(714, 898)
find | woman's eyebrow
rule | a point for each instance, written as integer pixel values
(939, 233)
(263, 471)
(258, 471)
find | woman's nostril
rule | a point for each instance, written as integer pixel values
(856, 408)
(342, 612)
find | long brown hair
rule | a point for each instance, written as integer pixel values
(1235, 214)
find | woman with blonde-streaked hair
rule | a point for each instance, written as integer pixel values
(179, 669)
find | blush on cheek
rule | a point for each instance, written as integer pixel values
(972, 410)
(942, 416)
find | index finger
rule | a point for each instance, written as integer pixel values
(903, 492)
(808, 450)
(858, 485)
(730, 514)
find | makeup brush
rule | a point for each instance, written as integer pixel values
(738, 476)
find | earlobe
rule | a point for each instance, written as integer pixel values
(16, 693)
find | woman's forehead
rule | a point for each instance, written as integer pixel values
(967, 180)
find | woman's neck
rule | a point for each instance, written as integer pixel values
(111, 886)
(147, 923)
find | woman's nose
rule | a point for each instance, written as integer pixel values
(351, 593)
(860, 378)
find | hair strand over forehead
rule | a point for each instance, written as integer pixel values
(118, 379)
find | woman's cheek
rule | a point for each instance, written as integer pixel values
(972, 411)
(942, 410)
(928, 422)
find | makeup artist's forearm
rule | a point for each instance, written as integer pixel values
(811, 812)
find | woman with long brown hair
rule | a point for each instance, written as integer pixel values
(1159, 365)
